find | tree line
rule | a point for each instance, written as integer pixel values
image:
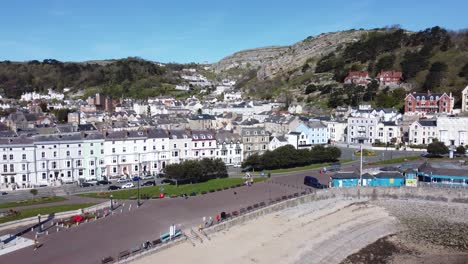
(289, 157)
(130, 77)
(191, 171)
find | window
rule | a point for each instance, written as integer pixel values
(23, 167)
(68, 164)
(163, 147)
(11, 156)
(185, 145)
(80, 172)
(175, 145)
(124, 159)
(209, 144)
(12, 167)
(91, 172)
(144, 148)
(68, 174)
(24, 156)
(79, 152)
(68, 153)
(55, 154)
(113, 150)
(4, 157)
(54, 165)
(102, 151)
(91, 152)
(5, 168)
(44, 176)
(196, 144)
(24, 177)
(43, 165)
(78, 163)
(114, 170)
(203, 144)
(124, 149)
(91, 163)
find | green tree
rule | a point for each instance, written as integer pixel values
(437, 148)
(464, 71)
(461, 150)
(385, 63)
(436, 75)
(33, 192)
(43, 106)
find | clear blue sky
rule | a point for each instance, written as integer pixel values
(196, 31)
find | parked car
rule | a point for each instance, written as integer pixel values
(313, 182)
(103, 182)
(431, 156)
(93, 182)
(4, 193)
(248, 168)
(168, 181)
(149, 183)
(123, 180)
(113, 188)
(86, 184)
(238, 165)
(128, 185)
(148, 177)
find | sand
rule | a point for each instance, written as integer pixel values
(319, 232)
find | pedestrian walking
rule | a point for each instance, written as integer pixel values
(235, 193)
(36, 244)
(217, 218)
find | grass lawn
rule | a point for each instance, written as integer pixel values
(395, 160)
(34, 201)
(214, 184)
(308, 167)
(44, 211)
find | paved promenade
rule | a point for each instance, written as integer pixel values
(89, 243)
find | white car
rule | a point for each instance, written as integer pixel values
(128, 185)
(123, 180)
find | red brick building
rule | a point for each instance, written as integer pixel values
(428, 103)
(357, 77)
(390, 77)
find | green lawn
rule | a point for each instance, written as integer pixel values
(44, 211)
(395, 160)
(34, 201)
(307, 167)
(172, 189)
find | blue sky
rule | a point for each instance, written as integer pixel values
(195, 31)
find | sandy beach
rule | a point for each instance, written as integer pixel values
(319, 232)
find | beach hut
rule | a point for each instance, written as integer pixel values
(350, 179)
(389, 179)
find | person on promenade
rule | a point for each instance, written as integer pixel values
(36, 244)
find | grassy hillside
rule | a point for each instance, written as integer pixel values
(131, 77)
(433, 59)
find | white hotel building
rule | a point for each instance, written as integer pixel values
(59, 158)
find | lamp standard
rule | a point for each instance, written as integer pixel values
(111, 202)
(39, 222)
(137, 178)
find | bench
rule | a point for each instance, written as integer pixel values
(124, 254)
(107, 260)
(156, 242)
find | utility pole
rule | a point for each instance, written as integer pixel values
(360, 170)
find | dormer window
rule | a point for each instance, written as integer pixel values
(195, 137)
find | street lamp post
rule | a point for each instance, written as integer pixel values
(39, 222)
(138, 191)
(111, 202)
